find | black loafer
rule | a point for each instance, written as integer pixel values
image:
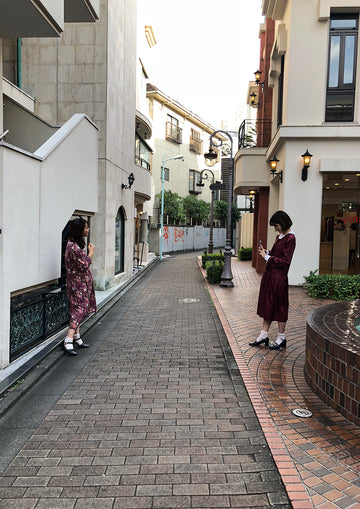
(277, 346)
(258, 343)
(69, 352)
(83, 345)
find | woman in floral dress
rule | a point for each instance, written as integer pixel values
(79, 282)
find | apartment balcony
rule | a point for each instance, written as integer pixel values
(143, 180)
(196, 145)
(254, 133)
(173, 133)
(43, 18)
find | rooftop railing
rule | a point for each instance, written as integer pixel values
(254, 133)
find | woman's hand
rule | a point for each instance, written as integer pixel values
(91, 249)
(262, 251)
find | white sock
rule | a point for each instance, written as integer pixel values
(76, 336)
(280, 338)
(68, 344)
(263, 335)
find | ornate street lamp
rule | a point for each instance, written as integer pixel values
(226, 276)
(201, 184)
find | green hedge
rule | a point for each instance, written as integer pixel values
(245, 254)
(332, 286)
(213, 271)
(210, 257)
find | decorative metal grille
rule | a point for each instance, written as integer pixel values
(34, 320)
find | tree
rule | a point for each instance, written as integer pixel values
(220, 212)
(172, 205)
(197, 210)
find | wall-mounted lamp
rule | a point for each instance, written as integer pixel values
(273, 165)
(253, 100)
(131, 180)
(306, 162)
(258, 78)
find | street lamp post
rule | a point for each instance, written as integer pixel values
(226, 276)
(200, 184)
(162, 199)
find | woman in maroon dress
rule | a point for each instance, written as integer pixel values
(79, 282)
(273, 303)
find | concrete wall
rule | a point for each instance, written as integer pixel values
(186, 238)
(62, 177)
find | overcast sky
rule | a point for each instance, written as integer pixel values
(206, 53)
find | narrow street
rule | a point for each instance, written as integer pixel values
(153, 415)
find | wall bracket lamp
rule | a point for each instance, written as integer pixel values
(253, 100)
(131, 180)
(306, 161)
(258, 78)
(273, 165)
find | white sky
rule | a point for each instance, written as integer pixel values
(207, 52)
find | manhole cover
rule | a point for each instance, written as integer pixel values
(302, 412)
(188, 301)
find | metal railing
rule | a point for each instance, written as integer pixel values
(139, 161)
(196, 145)
(35, 318)
(254, 133)
(173, 132)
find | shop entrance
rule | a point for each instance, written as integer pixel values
(340, 238)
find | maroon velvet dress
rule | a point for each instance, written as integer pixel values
(273, 301)
(79, 284)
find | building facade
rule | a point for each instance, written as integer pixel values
(69, 117)
(314, 109)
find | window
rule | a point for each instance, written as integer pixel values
(341, 68)
(194, 177)
(281, 92)
(173, 131)
(195, 141)
(119, 241)
(142, 153)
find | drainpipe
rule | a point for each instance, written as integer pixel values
(19, 63)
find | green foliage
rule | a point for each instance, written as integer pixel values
(210, 257)
(245, 254)
(220, 211)
(198, 210)
(214, 270)
(332, 286)
(172, 205)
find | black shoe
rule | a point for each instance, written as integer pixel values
(82, 345)
(277, 346)
(69, 352)
(258, 343)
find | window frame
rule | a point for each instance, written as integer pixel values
(194, 175)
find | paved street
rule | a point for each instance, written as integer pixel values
(157, 416)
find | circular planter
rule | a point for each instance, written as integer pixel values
(332, 363)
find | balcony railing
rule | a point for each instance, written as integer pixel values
(196, 145)
(254, 133)
(173, 132)
(139, 161)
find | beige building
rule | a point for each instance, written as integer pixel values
(311, 71)
(178, 131)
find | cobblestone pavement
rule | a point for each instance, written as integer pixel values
(325, 449)
(156, 419)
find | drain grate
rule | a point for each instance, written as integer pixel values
(302, 412)
(188, 301)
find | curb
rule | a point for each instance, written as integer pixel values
(16, 384)
(297, 494)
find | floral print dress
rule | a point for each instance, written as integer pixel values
(79, 284)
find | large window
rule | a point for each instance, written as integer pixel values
(194, 177)
(142, 153)
(341, 68)
(173, 131)
(119, 241)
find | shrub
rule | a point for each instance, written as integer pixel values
(332, 286)
(210, 257)
(213, 271)
(245, 254)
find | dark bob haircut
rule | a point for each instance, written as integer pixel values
(76, 231)
(280, 217)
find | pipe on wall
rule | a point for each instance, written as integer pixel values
(18, 63)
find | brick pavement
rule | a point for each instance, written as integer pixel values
(325, 449)
(156, 419)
